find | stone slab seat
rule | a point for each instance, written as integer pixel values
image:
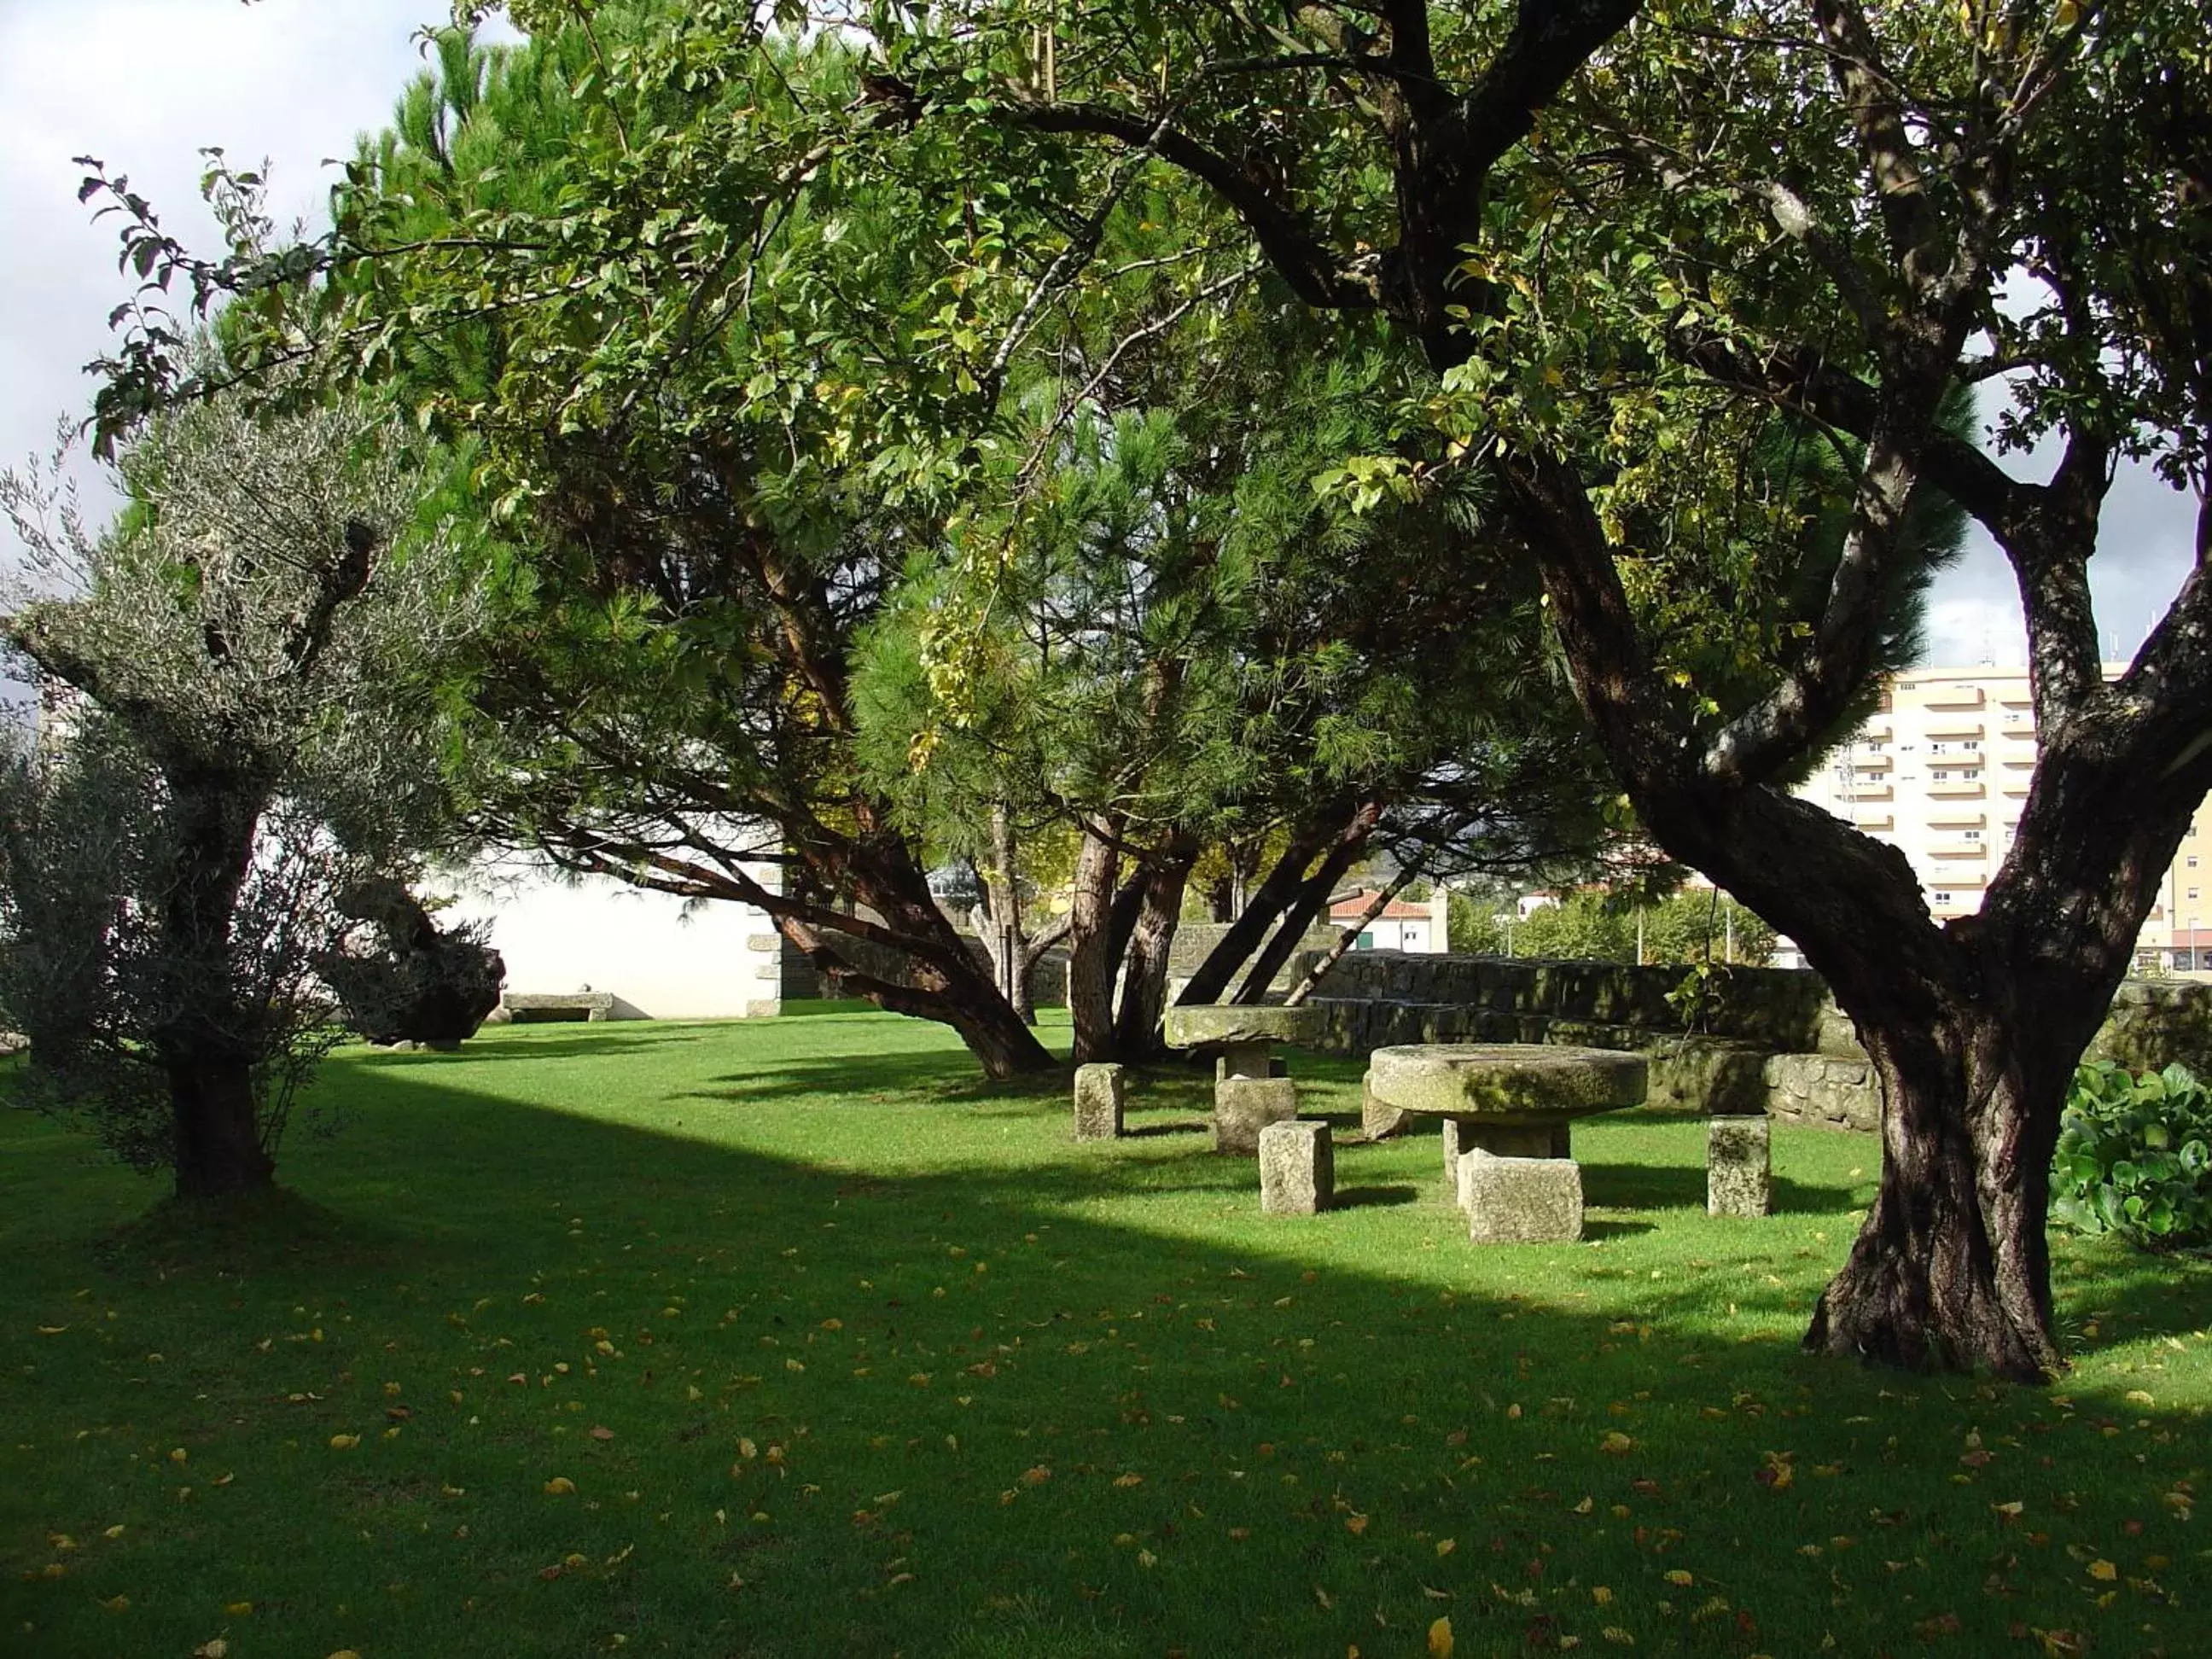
(1212, 1025)
(1506, 1083)
(526, 1007)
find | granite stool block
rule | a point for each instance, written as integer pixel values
(1100, 1092)
(1244, 1106)
(1739, 1166)
(1298, 1168)
(1521, 1200)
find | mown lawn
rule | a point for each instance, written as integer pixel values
(792, 1339)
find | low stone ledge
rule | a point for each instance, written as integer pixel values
(538, 1007)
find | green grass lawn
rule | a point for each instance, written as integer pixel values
(792, 1339)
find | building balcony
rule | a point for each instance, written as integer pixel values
(1873, 821)
(1960, 789)
(1954, 696)
(1953, 731)
(1871, 762)
(1957, 817)
(1960, 849)
(1871, 792)
(1957, 881)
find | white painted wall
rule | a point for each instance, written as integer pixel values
(659, 959)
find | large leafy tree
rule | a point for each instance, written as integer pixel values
(1622, 243)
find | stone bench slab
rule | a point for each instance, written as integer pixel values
(522, 1007)
(1505, 1082)
(1239, 1025)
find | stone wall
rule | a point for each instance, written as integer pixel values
(1763, 1040)
(1779, 1008)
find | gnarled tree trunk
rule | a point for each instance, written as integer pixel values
(209, 1043)
(1091, 956)
(1145, 961)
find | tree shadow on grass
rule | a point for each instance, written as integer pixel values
(1682, 1186)
(532, 1048)
(1258, 1380)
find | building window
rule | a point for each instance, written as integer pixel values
(1939, 748)
(2193, 893)
(1365, 942)
(1942, 898)
(1973, 835)
(2192, 860)
(1970, 743)
(1939, 775)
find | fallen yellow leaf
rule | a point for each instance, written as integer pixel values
(1676, 1575)
(1446, 1545)
(2102, 1571)
(1616, 1442)
(560, 1486)
(1440, 1638)
(344, 1442)
(116, 1603)
(218, 1649)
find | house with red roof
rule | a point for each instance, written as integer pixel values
(1402, 925)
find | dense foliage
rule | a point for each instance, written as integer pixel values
(2134, 1156)
(1594, 927)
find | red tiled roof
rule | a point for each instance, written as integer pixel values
(1350, 909)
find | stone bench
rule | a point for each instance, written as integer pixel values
(1250, 1090)
(1515, 1105)
(535, 1007)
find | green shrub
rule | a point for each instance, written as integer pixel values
(2134, 1156)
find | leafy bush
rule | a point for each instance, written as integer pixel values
(2134, 1156)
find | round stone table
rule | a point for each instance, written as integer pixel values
(1508, 1111)
(1250, 1091)
(1244, 1035)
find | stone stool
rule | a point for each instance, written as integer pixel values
(1100, 1091)
(1739, 1166)
(1521, 1200)
(1297, 1168)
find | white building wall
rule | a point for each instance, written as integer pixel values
(658, 958)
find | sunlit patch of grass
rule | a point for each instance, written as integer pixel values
(794, 1337)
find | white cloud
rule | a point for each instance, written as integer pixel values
(143, 84)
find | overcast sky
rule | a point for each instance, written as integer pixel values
(144, 83)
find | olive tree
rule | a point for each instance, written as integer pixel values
(241, 677)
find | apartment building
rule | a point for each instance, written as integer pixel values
(1942, 771)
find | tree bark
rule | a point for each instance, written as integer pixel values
(219, 1154)
(1346, 937)
(209, 1043)
(1309, 900)
(1309, 839)
(1145, 961)
(1091, 958)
